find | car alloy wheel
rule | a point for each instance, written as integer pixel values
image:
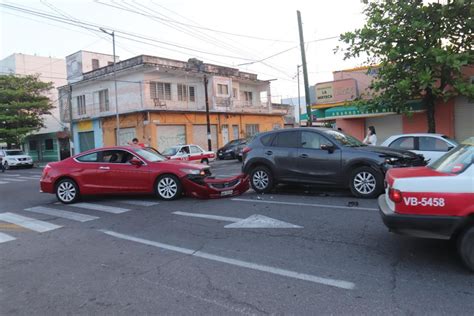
(365, 182)
(67, 191)
(260, 180)
(168, 187)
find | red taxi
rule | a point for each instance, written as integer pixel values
(436, 201)
(133, 170)
(192, 153)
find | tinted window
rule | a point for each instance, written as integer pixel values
(285, 139)
(312, 140)
(407, 143)
(432, 144)
(88, 158)
(266, 140)
(116, 156)
(184, 150)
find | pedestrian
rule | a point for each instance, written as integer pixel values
(371, 138)
(135, 143)
(1, 165)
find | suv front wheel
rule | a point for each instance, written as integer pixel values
(261, 179)
(366, 182)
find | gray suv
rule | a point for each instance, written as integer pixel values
(321, 156)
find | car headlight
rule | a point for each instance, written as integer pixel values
(228, 151)
(194, 172)
(391, 160)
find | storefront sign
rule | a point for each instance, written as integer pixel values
(336, 91)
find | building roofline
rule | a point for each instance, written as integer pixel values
(356, 68)
(88, 51)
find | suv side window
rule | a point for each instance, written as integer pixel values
(266, 140)
(310, 140)
(407, 143)
(286, 139)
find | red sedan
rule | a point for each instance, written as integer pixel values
(119, 170)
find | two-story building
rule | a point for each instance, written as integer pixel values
(331, 105)
(162, 102)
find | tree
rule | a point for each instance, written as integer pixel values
(22, 104)
(419, 49)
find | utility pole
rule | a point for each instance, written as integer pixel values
(117, 118)
(208, 119)
(71, 132)
(305, 71)
(299, 97)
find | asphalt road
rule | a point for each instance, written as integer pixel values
(322, 252)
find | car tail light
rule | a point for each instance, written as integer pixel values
(395, 195)
(46, 170)
(246, 149)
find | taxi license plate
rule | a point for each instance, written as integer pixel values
(227, 192)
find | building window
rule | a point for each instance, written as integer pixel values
(48, 144)
(251, 129)
(81, 105)
(103, 100)
(247, 96)
(32, 145)
(110, 63)
(95, 64)
(192, 94)
(160, 90)
(186, 93)
(234, 93)
(222, 89)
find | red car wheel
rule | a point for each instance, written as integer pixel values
(168, 187)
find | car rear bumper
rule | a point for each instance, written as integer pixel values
(211, 188)
(423, 226)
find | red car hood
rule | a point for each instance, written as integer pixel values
(184, 164)
(415, 172)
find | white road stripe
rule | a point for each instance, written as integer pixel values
(12, 174)
(27, 178)
(307, 204)
(15, 179)
(3, 182)
(98, 207)
(27, 222)
(5, 238)
(215, 217)
(63, 214)
(244, 264)
(138, 202)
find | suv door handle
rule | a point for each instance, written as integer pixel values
(269, 152)
(303, 156)
(104, 168)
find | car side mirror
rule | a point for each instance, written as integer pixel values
(328, 147)
(136, 162)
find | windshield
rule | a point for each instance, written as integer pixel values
(344, 139)
(171, 151)
(454, 161)
(149, 154)
(14, 153)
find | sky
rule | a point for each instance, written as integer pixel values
(228, 33)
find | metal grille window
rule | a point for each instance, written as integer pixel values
(247, 96)
(192, 94)
(103, 100)
(160, 90)
(186, 93)
(81, 105)
(251, 129)
(222, 89)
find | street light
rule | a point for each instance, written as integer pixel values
(117, 119)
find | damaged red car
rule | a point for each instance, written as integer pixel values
(134, 170)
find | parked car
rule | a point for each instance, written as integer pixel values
(321, 156)
(15, 158)
(239, 150)
(431, 146)
(228, 150)
(436, 201)
(189, 152)
(128, 170)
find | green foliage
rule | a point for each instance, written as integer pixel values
(22, 104)
(419, 48)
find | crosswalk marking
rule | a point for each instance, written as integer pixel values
(60, 213)
(23, 178)
(138, 202)
(15, 180)
(5, 238)
(3, 182)
(12, 174)
(27, 222)
(98, 207)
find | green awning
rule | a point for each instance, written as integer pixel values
(352, 111)
(319, 114)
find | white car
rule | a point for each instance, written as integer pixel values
(193, 153)
(15, 158)
(431, 146)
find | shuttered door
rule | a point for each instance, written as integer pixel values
(170, 135)
(126, 135)
(463, 119)
(86, 141)
(385, 126)
(200, 136)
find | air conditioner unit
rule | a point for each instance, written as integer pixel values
(159, 102)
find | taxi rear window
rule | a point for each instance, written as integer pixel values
(455, 161)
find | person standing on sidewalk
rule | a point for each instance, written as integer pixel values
(371, 138)
(1, 165)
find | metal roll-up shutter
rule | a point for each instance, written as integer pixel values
(170, 135)
(200, 136)
(463, 119)
(385, 126)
